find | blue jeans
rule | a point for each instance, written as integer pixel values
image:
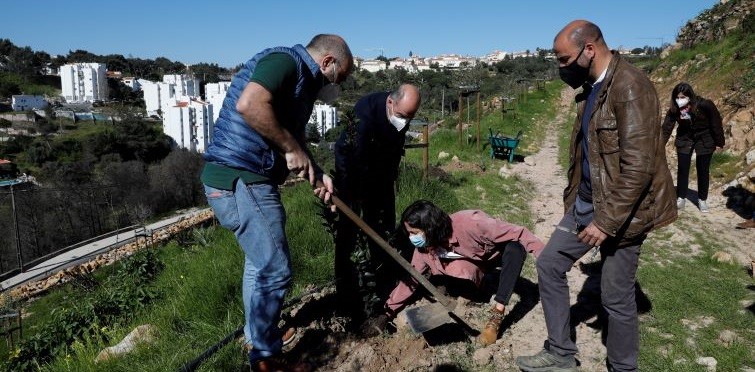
(256, 216)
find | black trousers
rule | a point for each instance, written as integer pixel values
(702, 165)
(512, 260)
(363, 284)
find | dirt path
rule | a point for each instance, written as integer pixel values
(549, 181)
(718, 225)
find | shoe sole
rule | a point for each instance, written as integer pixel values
(547, 369)
(288, 337)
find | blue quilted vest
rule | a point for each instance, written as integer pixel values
(235, 144)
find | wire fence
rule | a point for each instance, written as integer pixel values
(37, 223)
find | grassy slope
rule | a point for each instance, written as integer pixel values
(201, 287)
(687, 286)
(200, 284)
(715, 70)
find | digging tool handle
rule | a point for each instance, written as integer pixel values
(445, 301)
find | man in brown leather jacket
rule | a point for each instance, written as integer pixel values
(620, 188)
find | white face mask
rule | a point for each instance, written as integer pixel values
(681, 102)
(398, 123)
(330, 92)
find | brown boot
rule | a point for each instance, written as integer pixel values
(490, 334)
(288, 336)
(747, 224)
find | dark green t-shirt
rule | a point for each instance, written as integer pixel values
(223, 177)
(277, 73)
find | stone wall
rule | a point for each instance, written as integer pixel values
(162, 235)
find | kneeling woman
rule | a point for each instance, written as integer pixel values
(460, 245)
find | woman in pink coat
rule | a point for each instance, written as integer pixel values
(459, 246)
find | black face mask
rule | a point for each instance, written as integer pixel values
(573, 74)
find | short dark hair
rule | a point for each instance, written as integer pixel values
(588, 32)
(331, 44)
(426, 216)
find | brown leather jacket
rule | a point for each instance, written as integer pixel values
(632, 189)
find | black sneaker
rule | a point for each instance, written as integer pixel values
(544, 361)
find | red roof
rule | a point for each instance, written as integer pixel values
(3, 161)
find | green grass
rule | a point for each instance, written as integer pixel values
(727, 60)
(724, 166)
(201, 281)
(199, 305)
(529, 116)
(564, 136)
(200, 284)
(690, 287)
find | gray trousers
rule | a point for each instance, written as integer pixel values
(617, 287)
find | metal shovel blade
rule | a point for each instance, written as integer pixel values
(424, 318)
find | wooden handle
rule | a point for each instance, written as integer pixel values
(445, 301)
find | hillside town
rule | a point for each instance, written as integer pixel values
(187, 115)
(579, 208)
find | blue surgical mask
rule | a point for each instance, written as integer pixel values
(418, 240)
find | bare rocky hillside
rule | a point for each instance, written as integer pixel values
(714, 52)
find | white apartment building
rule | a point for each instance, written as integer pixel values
(84, 82)
(453, 61)
(522, 54)
(185, 85)
(373, 65)
(495, 56)
(157, 97)
(133, 83)
(214, 93)
(325, 117)
(190, 124)
(162, 95)
(23, 102)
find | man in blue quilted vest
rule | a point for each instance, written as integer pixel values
(257, 140)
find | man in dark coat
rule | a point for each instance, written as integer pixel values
(368, 153)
